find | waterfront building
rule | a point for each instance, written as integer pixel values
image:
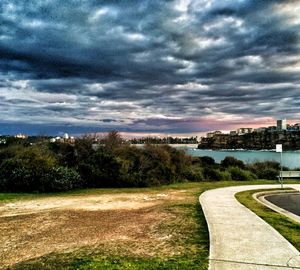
(212, 134)
(272, 129)
(281, 125)
(296, 127)
(260, 129)
(64, 139)
(21, 136)
(52, 140)
(242, 131)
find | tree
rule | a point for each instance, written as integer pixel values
(113, 140)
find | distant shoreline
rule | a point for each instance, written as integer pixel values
(195, 146)
(247, 150)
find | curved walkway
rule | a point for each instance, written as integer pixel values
(239, 239)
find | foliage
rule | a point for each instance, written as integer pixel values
(205, 160)
(100, 169)
(195, 174)
(268, 173)
(61, 179)
(241, 175)
(212, 174)
(225, 176)
(111, 162)
(265, 170)
(232, 162)
(65, 153)
(113, 140)
(24, 168)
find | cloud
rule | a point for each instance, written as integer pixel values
(152, 66)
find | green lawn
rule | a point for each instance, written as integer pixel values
(188, 226)
(285, 226)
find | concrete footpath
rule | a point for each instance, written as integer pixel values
(239, 239)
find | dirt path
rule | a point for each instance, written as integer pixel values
(32, 228)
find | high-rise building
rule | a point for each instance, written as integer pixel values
(281, 124)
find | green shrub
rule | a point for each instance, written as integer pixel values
(258, 167)
(205, 160)
(34, 169)
(100, 169)
(23, 168)
(67, 154)
(268, 173)
(212, 174)
(232, 162)
(16, 177)
(266, 169)
(240, 174)
(155, 166)
(61, 179)
(194, 174)
(225, 176)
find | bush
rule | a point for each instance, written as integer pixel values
(18, 177)
(240, 174)
(66, 153)
(24, 168)
(212, 174)
(232, 162)
(34, 169)
(15, 177)
(269, 173)
(205, 160)
(266, 169)
(156, 167)
(194, 174)
(225, 176)
(100, 169)
(61, 179)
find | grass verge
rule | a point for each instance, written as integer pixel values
(285, 226)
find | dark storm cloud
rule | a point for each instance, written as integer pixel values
(148, 65)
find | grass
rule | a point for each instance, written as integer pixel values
(285, 226)
(189, 244)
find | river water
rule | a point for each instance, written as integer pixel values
(290, 159)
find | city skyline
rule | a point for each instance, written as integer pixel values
(148, 67)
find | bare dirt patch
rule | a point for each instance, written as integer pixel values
(33, 228)
(88, 202)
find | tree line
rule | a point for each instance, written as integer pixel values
(59, 166)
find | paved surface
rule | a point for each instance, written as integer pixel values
(261, 198)
(240, 240)
(290, 202)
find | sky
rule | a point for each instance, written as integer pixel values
(147, 66)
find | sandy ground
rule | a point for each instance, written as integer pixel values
(32, 228)
(83, 202)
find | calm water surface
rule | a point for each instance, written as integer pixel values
(289, 159)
